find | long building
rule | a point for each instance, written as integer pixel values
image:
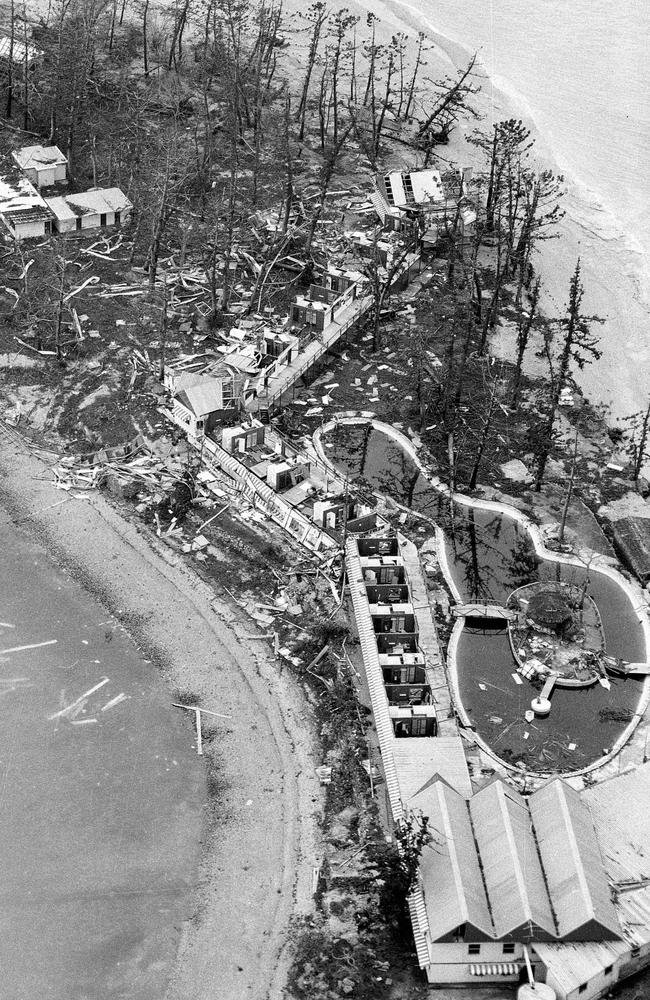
(559, 879)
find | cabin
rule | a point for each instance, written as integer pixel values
(325, 303)
(22, 209)
(98, 207)
(44, 166)
(200, 407)
(243, 438)
(310, 312)
(424, 203)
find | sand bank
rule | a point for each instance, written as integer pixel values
(258, 856)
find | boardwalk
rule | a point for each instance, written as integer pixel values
(493, 612)
(285, 377)
(428, 640)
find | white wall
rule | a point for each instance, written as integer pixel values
(491, 951)
(29, 230)
(596, 987)
(450, 962)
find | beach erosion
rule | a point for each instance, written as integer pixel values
(575, 73)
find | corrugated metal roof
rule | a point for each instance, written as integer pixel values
(511, 863)
(575, 964)
(572, 862)
(454, 892)
(619, 809)
(418, 761)
(203, 398)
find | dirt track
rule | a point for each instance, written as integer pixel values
(258, 857)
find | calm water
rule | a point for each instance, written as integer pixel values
(490, 556)
(100, 822)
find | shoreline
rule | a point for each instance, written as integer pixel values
(259, 846)
(613, 277)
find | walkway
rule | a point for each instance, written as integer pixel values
(428, 640)
(288, 375)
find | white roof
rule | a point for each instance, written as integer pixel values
(38, 157)
(204, 397)
(18, 195)
(419, 761)
(572, 862)
(622, 821)
(575, 964)
(61, 209)
(452, 884)
(511, 864)
(98, 201)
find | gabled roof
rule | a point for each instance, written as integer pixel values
(204, 397)
(98, 201)
(38, 157)
(575, 876)
(571, 965)
(511, 863)
(454, 892)
(420, 762)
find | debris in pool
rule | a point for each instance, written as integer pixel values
(526, 735)
(516, 678)
(529, 715)
(482, 687)
(572, 746)
(496, 719)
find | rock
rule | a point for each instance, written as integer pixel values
(516, 471)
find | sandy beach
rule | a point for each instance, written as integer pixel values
(613, 264)
(260, 848)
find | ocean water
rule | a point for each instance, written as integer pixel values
(99, 821)
(577, 72)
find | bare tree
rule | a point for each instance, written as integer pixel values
(638, 440)
(317, 15)
(579, 347)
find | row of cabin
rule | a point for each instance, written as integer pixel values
(251, 368)
(324, 304)
(301, 480)
(28, 214)
(402, 662)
